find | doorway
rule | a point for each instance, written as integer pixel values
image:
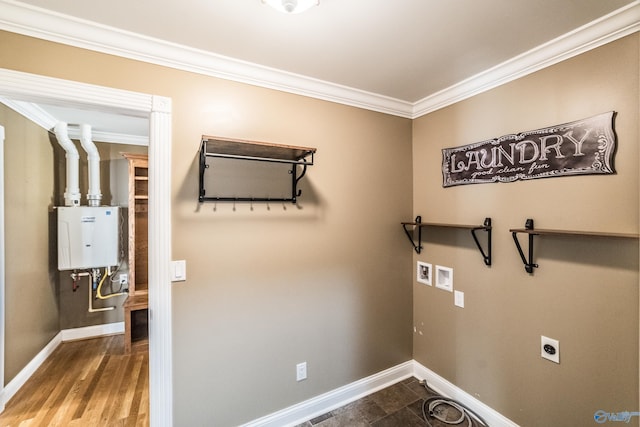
(39, 89)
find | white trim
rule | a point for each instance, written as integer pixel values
(445, 388)
(160, 324)
(2, 270)
(341, 396)
(37, 22)
(32, 112)
(33, 88)
(21, 378)
(21, 86)
(311, 408)
(42, 118)
(94, 331)
(611, 27)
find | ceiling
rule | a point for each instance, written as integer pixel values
(389, 53)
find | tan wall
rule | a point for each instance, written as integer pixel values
(585, 291)
(328, 283)
(31, 316)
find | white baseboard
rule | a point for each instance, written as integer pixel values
(304, 411)
(445, 388)
(65, 335)
(92, 331)
(21, 378)
(326, 402)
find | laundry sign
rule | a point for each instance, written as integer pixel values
(582, 147)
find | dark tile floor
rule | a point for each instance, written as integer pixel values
(399, 405)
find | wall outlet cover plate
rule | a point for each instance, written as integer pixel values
(424, 271)
(550, 349)
(444, 278)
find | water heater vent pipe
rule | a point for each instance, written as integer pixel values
(94, 196)
(72, 190)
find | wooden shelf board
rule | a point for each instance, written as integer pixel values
(137, 302)
(547, 232)
(436, 224)
(264, 150)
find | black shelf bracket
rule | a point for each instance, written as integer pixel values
(417, 225)
(529, 265)
(295, 178)
(486, 256)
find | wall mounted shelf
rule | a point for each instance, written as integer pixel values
(528, 229)
(228, 148)
(418, 225)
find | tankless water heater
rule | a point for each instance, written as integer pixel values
(87, 237)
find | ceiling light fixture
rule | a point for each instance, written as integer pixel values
(291, 6)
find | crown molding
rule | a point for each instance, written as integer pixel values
(606, 29)
(42, 118)
(32, 112)
(36, 22)
(44, 24)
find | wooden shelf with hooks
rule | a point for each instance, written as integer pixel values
(229, 148)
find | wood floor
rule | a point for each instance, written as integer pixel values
(85, 383)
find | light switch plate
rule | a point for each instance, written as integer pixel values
(301, 371)
(458, 298)
(178, 271)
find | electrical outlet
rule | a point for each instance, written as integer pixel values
(124, 278)
(301, 371)
(550, 349)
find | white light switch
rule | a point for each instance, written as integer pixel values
(458, 298)
(178, 271)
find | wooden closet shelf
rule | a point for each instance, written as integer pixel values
(437, 224)
(531, 231)
(242, 149)
(547, 232)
